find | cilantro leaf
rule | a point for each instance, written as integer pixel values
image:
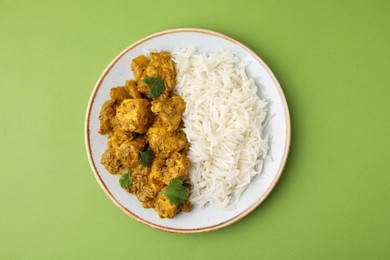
(149, 80)
(176, 192)
(158, 86)
(125, 180)
(157, 89)
(146, 157)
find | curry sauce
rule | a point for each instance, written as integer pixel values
(135, 119)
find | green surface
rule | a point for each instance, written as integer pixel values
(332, 59)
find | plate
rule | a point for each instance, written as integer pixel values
(199, 219)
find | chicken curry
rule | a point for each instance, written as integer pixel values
(146, 143)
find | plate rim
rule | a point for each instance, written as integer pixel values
(187, 230)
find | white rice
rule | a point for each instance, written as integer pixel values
(224, 122)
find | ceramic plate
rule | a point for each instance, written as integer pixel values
(200, 219)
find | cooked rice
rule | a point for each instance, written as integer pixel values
(224, 122)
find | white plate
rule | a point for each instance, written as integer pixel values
(200, 219)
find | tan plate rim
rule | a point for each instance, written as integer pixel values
(196, 230)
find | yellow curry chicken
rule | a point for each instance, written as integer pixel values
(146, 145)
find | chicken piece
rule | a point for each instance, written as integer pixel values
(107, 113)
(138, 66)
(163, 142)
(139, 176)
(156, 174)
(164, 208)
(140, 186)
(120, 154)
(134, 115)
(118, 137)
(170, 110)
(112, 164)
(114, 142)
(128, 151)
(131, 87)
(161, 66)
(178, 166)
(147, 196)
(119, 93)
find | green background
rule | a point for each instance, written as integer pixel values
(332, 59)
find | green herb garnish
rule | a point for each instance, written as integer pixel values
(176, 192)
(125, 180)
(158, 86)
(146, 157)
